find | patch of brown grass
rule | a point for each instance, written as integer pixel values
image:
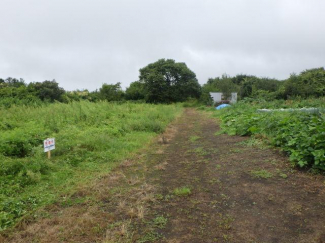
(126, 163)
(161, 166)
(119, 232)
(133, 180)
(140, 212)
(131, 212)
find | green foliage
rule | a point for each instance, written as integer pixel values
(47, 90)
(12, 82)
(223, 84)
(308, 83)
(191, 102)
(16, 92)
(300, 134)
(260, 87)
(111, 92)
(261, 174)
(136, 91)
(150, 237)
(91, 138)
(166, 81)
(79, 95)
(160, 222)
(182, 191)
(194, 138)
(283, 175)
(245, 85)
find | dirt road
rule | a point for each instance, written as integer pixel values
(190, 185)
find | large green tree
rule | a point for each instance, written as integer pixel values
(167, 81)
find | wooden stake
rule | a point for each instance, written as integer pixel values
(49, 154)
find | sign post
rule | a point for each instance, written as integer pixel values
(49, 144)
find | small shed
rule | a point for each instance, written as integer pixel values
(218, 97)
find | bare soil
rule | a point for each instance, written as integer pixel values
(235, 190)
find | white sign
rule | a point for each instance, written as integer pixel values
(49, 144)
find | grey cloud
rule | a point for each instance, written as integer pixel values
(83, 44)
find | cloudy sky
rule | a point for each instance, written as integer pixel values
(85, 43)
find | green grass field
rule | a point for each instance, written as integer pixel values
(91, 138)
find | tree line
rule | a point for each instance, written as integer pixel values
(309, 83)
(167, 81)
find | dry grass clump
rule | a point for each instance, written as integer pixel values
(161, 166)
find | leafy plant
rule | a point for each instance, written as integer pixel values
(160, 222)
(182, 191)
(299, 133)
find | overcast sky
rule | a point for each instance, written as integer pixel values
(85, 43)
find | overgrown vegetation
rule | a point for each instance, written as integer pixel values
(309, 83)
(90, 139)
(301, 134)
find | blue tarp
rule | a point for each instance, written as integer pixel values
(222, 106)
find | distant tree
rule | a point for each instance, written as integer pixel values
(94, 96)
(15, 92)
(111, 92)
(47, 90)
(253, 86)
(77, 95)
(224, 85)
(240, 78)
(247, 87)
(12, 82)
(136, 91)
(310, 82)
(167, 81)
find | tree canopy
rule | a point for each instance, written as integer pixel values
(310, 82)
(136, 91)
(111, 92)
(47, 90)
(167, 81)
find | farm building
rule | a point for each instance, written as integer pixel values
(218, 97)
